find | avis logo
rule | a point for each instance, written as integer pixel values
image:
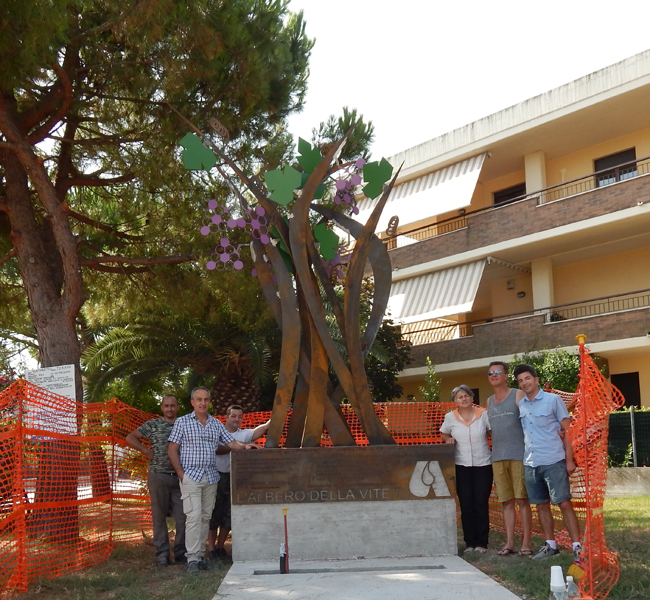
(427, 475)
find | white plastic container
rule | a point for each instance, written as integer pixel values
(572, 590)
(558, 587)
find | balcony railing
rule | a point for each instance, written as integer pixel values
(600, 306)
(573, 187)
(417, 334)
(429, 231)
(595, 180)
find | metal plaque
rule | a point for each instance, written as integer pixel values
(343, 474)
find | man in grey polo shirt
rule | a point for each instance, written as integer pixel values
(193, 445)
(508, 457)
(162, 481)
(548, 458)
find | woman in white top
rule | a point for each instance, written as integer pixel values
(467, 426)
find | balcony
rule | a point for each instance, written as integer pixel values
(603, 319)
(599, 179)
(594, 195)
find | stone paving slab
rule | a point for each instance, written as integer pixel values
(430, 578)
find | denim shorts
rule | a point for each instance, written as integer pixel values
(548, 482)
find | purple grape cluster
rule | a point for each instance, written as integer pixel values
(257, 224)
(225, 257)
(345, 186)
(337, 268)
(217, 219)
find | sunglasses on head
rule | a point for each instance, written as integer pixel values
(495, 372)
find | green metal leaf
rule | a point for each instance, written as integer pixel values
(196, 156)
(376, 174)
(282, 184)
(309, 156)
(329, 241)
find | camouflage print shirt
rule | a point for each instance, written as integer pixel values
(158, 430)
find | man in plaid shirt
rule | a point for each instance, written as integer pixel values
(192, 451)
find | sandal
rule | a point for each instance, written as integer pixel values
(480, 549)
(527, 552)
(505, 551)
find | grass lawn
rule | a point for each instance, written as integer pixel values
(131, 574)
(627, 530)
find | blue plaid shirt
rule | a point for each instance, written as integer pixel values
(198, 445)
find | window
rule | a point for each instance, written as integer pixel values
(628, 385)
(615, 167)
(509, 194)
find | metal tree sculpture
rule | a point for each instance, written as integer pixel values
(294, 276)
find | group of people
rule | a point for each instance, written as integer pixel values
(530, 461)
(189, 475)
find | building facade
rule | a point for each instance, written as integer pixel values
(521, 230)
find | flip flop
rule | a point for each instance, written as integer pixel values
(505, 551)
(523, 552)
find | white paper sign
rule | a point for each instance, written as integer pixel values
(58, 380)
(56, 416)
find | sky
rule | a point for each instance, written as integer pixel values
(420, 68)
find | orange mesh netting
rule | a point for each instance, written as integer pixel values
(408, 422)
(71, 487)
(596, 398)
(590, 407)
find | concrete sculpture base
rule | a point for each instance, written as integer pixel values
(379, 501)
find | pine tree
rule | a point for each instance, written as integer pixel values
(90, 182)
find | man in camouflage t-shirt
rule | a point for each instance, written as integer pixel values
(163, 484)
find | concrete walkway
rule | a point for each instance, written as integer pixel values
(437, 578)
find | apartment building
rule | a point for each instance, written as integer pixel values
(521, 230)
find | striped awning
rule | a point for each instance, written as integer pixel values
(434, 295)
(434, 194)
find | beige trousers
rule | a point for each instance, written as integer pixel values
(198, 502)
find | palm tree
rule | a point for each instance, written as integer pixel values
(237, 360)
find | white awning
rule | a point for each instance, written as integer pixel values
(435, 295)
(434, 194)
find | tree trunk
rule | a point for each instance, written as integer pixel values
(49, 266)
(53, 311)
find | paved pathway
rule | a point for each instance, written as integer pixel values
(437, 578)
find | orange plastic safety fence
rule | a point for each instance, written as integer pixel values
(596, 399)
(408, 422)
(590, 407)
(71, 487)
